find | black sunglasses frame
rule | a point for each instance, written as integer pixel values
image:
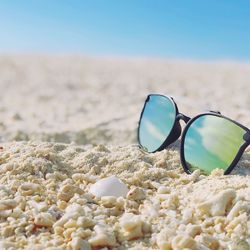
(176, 132)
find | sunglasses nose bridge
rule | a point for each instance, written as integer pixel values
(183, 117)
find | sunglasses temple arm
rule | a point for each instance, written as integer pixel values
(183, 117)
(247, 137)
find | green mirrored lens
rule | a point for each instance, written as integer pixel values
(212, 142)
(157, 121)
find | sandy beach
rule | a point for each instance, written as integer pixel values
(68, 121)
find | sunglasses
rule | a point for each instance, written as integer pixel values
(209, 140)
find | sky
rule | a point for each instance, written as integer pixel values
(184, 29)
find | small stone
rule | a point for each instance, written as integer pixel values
(136, 194)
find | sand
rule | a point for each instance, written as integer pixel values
(68, 121)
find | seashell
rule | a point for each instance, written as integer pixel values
(110, 186)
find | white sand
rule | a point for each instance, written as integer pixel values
(84, 101)
(99, 100)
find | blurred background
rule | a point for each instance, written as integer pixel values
(79, 71)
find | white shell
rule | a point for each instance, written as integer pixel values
(110, 186)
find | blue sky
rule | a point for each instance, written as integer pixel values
(204, 29)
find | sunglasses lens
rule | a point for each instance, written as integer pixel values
(212, 142)
(156, 122)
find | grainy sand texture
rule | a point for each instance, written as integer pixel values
(68, 121)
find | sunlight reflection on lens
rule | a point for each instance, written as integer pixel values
(212, 142)
(157, 121)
